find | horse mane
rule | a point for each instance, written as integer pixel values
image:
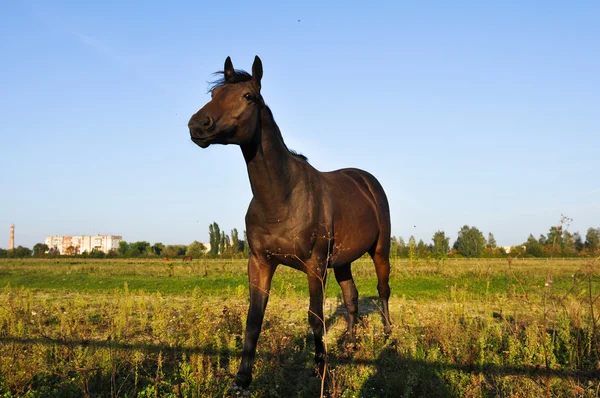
(296, 154)
(238, 77)
(242, 76)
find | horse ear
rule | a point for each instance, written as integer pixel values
(257, 70)
(228, 70)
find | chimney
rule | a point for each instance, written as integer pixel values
(11, 242)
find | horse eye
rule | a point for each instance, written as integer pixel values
(248, 96)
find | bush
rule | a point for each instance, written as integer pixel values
(97, 254)
(20, 252)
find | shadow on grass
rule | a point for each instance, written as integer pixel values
(291, 373)
(397, 376)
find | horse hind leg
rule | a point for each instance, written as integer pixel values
(381, 258)
(343, 275)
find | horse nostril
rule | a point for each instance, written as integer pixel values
(207, 122)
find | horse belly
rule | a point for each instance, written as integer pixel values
(356, 229)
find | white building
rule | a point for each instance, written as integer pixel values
(82, 243)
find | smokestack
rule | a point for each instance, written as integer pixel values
(11, 242)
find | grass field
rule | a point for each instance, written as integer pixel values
(145, 328)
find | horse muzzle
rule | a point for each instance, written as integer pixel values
(201, 127)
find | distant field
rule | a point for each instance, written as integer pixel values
(145, 327)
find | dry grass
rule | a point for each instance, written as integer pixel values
(489, 330)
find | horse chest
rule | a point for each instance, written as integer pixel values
(292, 244)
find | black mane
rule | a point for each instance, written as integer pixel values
(238, 77)
(301, 156)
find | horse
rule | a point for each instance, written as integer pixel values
(187, 258)
(298, 216)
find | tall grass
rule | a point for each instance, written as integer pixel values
(485, 328)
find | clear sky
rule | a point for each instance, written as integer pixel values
(487, 114)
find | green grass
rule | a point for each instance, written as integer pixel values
(139, 328)
(216, 277)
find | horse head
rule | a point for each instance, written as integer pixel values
(232, 116)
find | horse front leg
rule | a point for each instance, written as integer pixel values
(260, 274)
(316, 285)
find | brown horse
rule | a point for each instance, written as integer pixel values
(300, 217)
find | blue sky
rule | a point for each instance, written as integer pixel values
(485, 114)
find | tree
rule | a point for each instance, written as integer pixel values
(174, 250)
(223, 243)
(228, 246)
(157, 248)
(137, 249)
(20, 252)
(568, 246)
(394, 252)
(555, 238)
(412, 249)
(123, 248)
(214, 233)
(39, 249)
(578, 242)
(195, 249)
(237, 246)
(169, 251)
(491, 242)
(422, 249)
(211, 239)
(533, 247)
(592, 239)
(470, 242)
(95, 253)
(542, 240)
(246, 246)
(398, 247)
(518, 251)
(441, 245)
(3, 253)
(402, 247)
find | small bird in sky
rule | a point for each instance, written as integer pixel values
(298, 20)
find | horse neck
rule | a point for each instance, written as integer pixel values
(270, 165)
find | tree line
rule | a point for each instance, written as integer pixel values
(470, 243)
